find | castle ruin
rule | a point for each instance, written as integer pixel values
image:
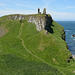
(41, 21)
(44, 11)
(39, 11)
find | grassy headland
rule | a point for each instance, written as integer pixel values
(26, 51)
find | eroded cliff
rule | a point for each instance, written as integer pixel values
(41, 21)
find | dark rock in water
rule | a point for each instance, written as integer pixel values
(73, 35)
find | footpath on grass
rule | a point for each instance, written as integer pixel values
(20, 31)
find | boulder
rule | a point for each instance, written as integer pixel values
(73, 35)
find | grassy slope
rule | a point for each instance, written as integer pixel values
(23, 47)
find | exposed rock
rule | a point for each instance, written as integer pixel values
(68, 61)
(49, 24)
(3, 30)
(44, 11)
(39, 11)
(15, 17)
(73, 35)
(46, 32)
(73, 56)
(63, 34)
(73, 71)
(40, 21)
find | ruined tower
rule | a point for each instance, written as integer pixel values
(39, 11)
(44, 11)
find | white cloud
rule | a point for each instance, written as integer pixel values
(23, 5)
(70, 7)
(7, 12)
(2, 4)
(58, 16)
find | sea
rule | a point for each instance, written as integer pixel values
(69, 27)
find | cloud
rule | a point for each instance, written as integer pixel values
(7, 12)
(2, 4)
(57, 16)
(60, 16)
(23, 5)
(70, 7)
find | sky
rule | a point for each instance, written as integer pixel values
(60, 10)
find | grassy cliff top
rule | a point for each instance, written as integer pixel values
(24, 50)
(25, 15)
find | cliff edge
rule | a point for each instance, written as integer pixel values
(33, 41)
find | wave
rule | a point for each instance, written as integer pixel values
(72, 48)
(67, 30)
(71, 36)
(73, 39)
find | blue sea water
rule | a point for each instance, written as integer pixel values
(69, 27)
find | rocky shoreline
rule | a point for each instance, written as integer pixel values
(73, 56)
(73, 35)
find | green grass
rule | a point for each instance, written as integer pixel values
(25, 51)
(20, 66)
(47, 47)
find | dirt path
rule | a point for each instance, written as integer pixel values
(20, 31)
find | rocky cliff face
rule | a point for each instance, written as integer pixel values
(41, 21)
(15, 17)
(3, 30)
(63, 34)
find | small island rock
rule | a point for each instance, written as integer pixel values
(73, 35)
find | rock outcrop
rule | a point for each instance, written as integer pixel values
(15, 17)
(73, 35)
(3, 30)
(63, 34)
(41, 21)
